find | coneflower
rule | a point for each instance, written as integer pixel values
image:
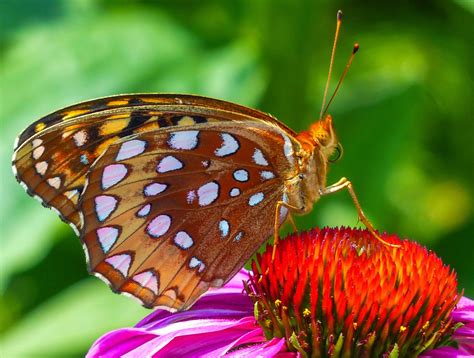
(327, 293)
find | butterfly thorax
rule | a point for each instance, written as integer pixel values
(317, 145)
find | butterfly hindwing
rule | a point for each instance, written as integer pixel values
(183, 208)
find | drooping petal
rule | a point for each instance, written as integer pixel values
(220, 322)
(227, 302)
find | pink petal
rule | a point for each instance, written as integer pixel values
(219, 318)
(464, 311)
(464, 336)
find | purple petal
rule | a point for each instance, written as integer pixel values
(198, 340)
(464, 336)
(448, 352)
(194, 338)
(221, 306)
(119, 342)
(464, 311)
(221, 320)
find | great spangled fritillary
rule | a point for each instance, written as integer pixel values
(171, 194)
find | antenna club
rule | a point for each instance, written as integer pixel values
(339, 15)
(355, 49)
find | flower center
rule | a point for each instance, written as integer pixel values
(338, 292)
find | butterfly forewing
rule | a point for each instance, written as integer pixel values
(170, 213)
(171, 193)
(54, 154)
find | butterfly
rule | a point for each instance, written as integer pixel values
(171, 194)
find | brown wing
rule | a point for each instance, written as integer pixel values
(169, 213)
(53, 155)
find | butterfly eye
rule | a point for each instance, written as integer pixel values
(339, 151)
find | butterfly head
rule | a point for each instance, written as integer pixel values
(323, 135)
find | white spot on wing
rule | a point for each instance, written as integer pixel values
(113, 174)
(36, 142)
(259, 158)
(267, 175)
(234, 192)
(238, 237)
(144, 211)
(80, 138)
(168, 164)
(41, 167)
(154, 189)
(229, 145)
(104, 206)
(186, 140)
(256, 199)
(54, 182)
(224, 228)
(159, 226)
(107, 237)
(241, 175)
(288, 148)
(121, 263)
(191, 196)
(131, 149)
(38, 152)
(148, 280)
(195, 262)
(208, 193)
(171, 294)
(183, 240)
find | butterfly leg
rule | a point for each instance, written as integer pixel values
(345, 183)
(292, 221)
(276, 233)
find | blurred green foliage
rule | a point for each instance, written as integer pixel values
(404, 115)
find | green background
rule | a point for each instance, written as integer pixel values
(404, 116)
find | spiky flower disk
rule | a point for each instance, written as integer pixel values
(340, 292)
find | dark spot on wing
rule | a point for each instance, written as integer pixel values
(199, 119)
(98, 105)
(136, 120)
(93, 134)
(163, 122)
(135, 101)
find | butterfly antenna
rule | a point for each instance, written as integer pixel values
(354, 51)
(331, 62)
